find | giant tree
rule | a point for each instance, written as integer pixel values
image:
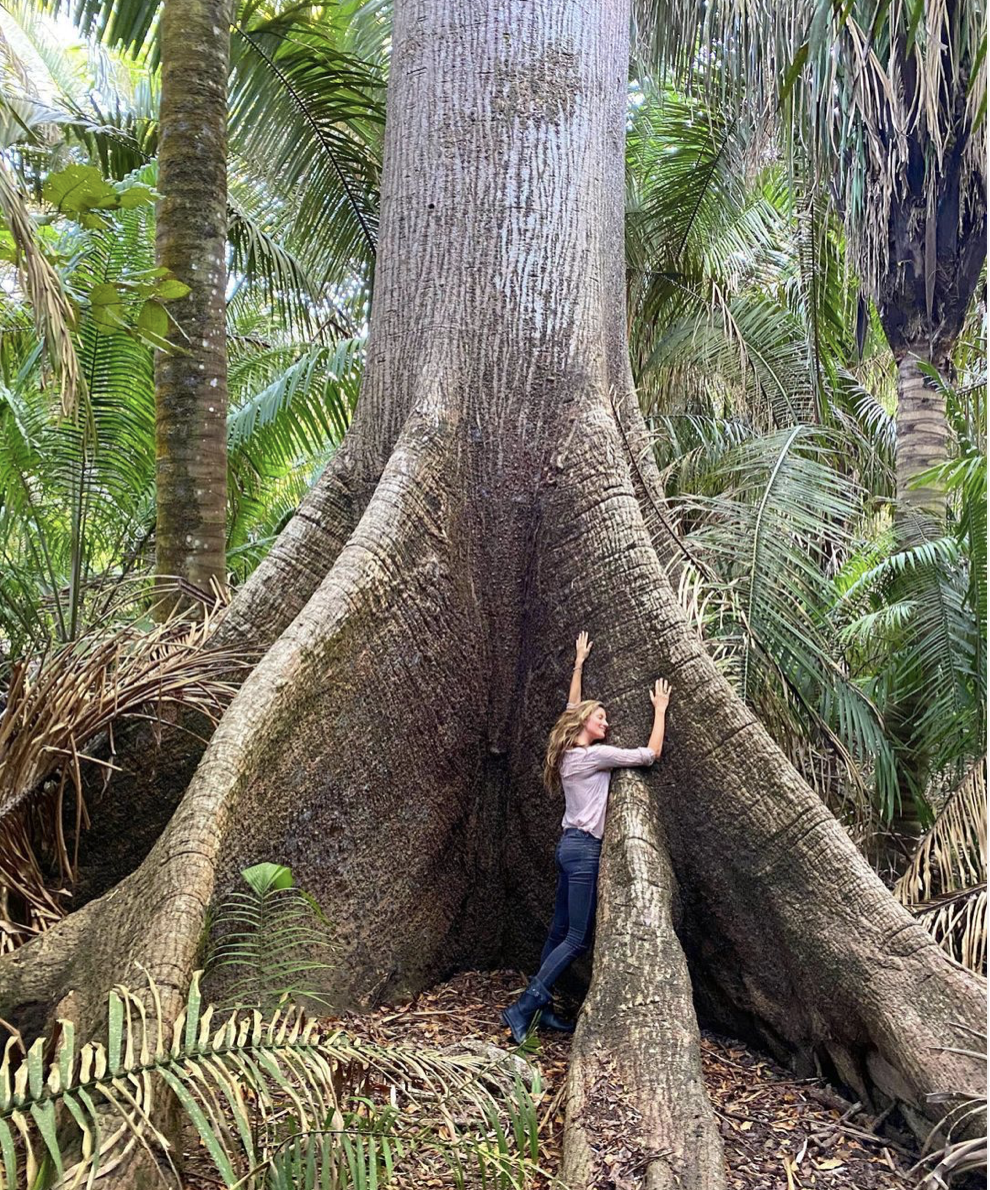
(495, 493)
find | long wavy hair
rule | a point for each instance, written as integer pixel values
(562, 736)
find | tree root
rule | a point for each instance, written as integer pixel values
(791, 937)
(635, 1090)
(384, 749)
(242, 805)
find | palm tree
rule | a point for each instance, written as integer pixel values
(191, 241)
(300, 254)
(882, 108)
(77, 514)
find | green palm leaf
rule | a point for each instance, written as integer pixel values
(272, 1098)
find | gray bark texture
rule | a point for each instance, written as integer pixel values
(495, 495)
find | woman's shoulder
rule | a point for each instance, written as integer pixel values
(574, 754)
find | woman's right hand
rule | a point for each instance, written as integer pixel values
(660, 694)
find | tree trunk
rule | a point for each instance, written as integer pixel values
(922, 434)
(494, 497)
(936, 246)
(191, 240)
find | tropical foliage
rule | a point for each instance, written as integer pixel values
(758, 356)
(78, 509)
(275, 942)
(771, 395)
(762, 184)
(277, 1101)
(756, 343)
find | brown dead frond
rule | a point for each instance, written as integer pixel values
(946, 883)
(57, 707)
(54, 315)
(956, 1156)
(952, 855)
(958, 923)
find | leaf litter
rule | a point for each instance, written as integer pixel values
(779, 1132)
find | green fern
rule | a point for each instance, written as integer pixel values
(278, 1101)
(274, 943)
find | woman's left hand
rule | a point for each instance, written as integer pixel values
(582, 648)
(660, 695)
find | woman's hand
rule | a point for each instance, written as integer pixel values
(660, 694)
(582, 648)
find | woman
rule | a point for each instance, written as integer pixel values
(579, 764)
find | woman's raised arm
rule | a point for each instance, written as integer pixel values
(660, 697)
(582, 647)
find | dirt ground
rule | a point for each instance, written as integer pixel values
(780, 1133)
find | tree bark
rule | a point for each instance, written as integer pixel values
(156, 762)
(922, 434)
(491, 500)
(936, 246)
(191, 240)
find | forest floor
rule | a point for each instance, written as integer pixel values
(779, 1132)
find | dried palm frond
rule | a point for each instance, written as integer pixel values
(959, 1157)
(946, 884)
(955, 1156)
(281, 1100)
(53, 313)
(57, 705)
(952, 856)
(958, 923)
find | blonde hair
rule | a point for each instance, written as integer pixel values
(562, 736)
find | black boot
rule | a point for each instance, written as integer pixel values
(519, 1016)
(550, 1020)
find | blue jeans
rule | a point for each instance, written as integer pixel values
(577, 857)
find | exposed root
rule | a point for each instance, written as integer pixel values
(155, 762)
(791, 936)
(234, 811)
(636, 1096)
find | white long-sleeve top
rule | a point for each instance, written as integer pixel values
(585, 774)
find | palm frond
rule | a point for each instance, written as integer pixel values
(274, 942)
(951, 856)
(872, 96)
(56, 706)
(305, 120)
(277, 1100)
(304, 406)
(54, 315)
(779, 513)
(128, 25)
(958, 923)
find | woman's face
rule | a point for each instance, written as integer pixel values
(596, 724)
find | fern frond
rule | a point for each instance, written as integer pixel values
(275, 942)
(276, 1094)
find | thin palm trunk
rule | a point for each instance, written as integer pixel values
(191, 238)
(922, 433)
